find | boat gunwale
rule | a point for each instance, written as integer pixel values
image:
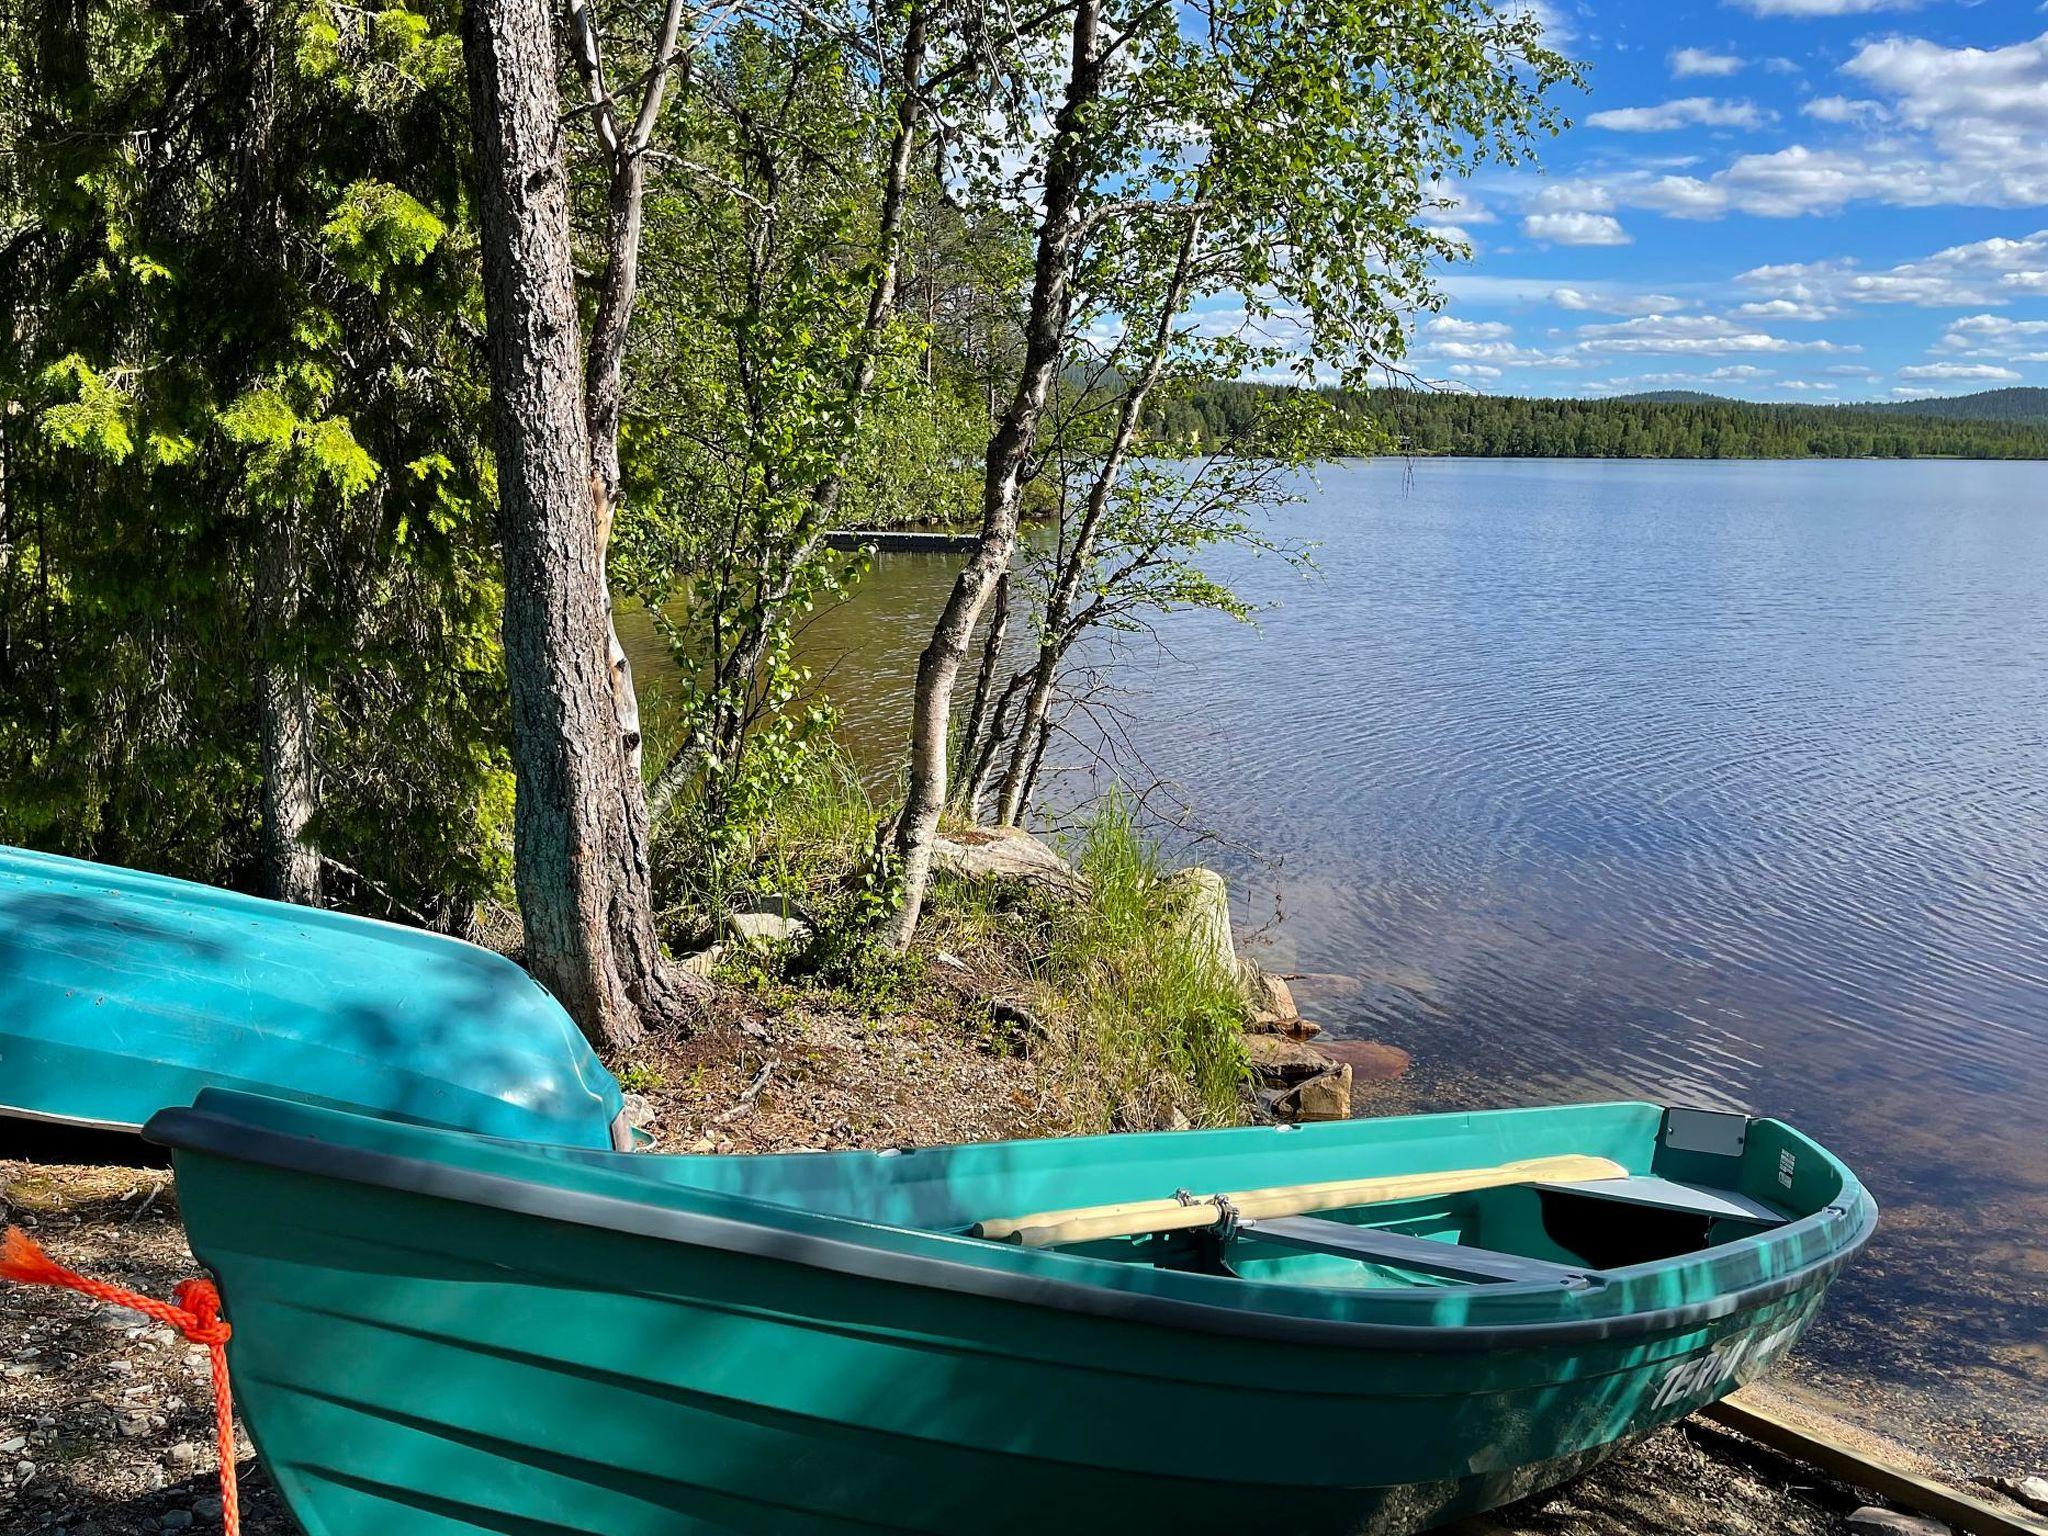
(210, 1132)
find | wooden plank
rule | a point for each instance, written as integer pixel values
(1083, 1224)
(1963, 1511)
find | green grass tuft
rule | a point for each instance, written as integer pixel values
(1156, 1023)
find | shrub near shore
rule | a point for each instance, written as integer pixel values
(1096, 984)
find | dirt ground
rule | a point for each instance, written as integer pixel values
(106, 1420)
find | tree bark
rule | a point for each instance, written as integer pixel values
(1036, 726)
(579, 823)
(1009, 455)
(978, 717)
(284, 712)
(290, 869)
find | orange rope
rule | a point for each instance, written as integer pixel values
(195, 1313)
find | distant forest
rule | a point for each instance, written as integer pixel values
(2000, 424)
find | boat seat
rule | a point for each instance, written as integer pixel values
(1454, 1261)
(1665, 1195)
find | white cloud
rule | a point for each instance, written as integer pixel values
(1578, 228)
(1986, 110)
(1687, 62)
(1788, 182)
(1452, 328)
(1784, 309)
(1473, 371)
(1982, 372)
(1691, 335)
(1805, 384)
(1844, 109)
(1573, 195)
(1733, 373)
(1972, 130)
(1685, 112)
(1614, 301)
(1994, 271)
(1993, 336)
(1822, 7)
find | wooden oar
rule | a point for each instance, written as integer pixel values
(1088, 1223)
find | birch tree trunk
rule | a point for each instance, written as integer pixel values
(580, 821)
(1035, 728)
(1009, 456)
(980, 721)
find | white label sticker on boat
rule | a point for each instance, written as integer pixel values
(1786, 1163)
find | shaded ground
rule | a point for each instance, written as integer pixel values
(105, 1420)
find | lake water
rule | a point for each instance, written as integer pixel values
(1723, 783)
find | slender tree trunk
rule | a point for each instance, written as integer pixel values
(976, 788)
(284, 696)
(617, 293)
(579, 825)
(7, 556)
(882, 302)
(1036, 728)
(978, 718)
(1009, 454)
(284, 712)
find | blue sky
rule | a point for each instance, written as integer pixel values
(1773, 199)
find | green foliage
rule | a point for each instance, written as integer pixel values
(1156, 1024)
(241, 427)
(376, 227)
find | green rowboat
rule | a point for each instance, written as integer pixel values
(122, 993)
(1365, 1326)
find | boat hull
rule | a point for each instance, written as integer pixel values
(444, 1349)
(122, 993)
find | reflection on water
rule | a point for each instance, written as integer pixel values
(1717, 782)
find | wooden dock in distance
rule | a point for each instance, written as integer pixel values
(901, 541)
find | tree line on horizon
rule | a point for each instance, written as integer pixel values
(1454, 423)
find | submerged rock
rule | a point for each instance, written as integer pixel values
(1327, 1097)
(1279, 1062)
(1372, 1060)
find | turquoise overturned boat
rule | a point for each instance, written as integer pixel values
(1358, 1327)
(124, 993)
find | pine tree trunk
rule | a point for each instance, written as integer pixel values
(580, 821)
(284, 713)
(284, 699)
(1009, 455)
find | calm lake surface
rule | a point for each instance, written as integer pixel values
(1721, 783)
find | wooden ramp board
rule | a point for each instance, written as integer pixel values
(1964, 1511)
